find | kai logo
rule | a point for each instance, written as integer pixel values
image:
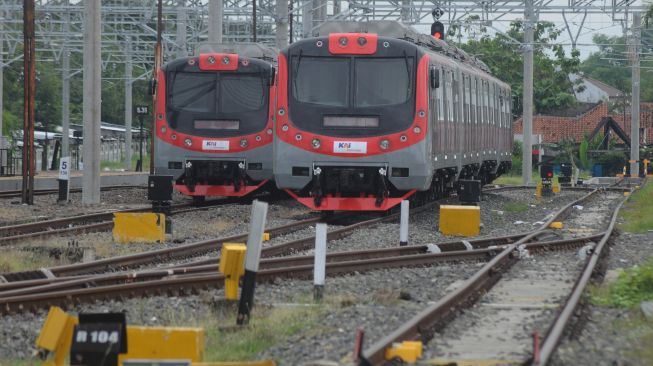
(350, 147)
(219, 145)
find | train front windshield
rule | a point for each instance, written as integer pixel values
(352, 93)
(213, 104)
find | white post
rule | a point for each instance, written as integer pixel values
(527, 154)
(92, 97)
(181, 29)
(635, 77)
(319, 270)
(403, 223)
(65, 87)
(252, 259)
(215, 20)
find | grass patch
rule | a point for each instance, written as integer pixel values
(15, 260)
(637, 214)
(267, 327)
(515, 207)
(120, 165)
(633, 286)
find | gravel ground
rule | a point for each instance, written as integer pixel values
(213, 222)
(46, 206)
(369, 297)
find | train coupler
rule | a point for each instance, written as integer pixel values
(316, 192)
(239, 176)
(382, 189)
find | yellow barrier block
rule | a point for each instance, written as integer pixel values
(460, 220)
(626, 194)
(266, 236)
(237, 363)
(164, 343)
(538, 190)
(139, 227)
(407, 351)
(556, 188)
(556, 225)
(232, 265)
(57, 336)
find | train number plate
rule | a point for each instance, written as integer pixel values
(215, 145)
(350, 147)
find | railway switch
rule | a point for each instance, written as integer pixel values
(460, 220)
(407, 351)
(139, 227)
(232, 266)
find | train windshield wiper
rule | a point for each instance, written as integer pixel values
(407, 61)
(295, 71)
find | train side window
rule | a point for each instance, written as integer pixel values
(440, 95)
(473, 98)
(434, 77)
(467, 96)
(450, 104)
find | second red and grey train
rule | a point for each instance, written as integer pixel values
(369, 114)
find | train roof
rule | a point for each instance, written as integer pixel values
(245, 49)
(394, 29)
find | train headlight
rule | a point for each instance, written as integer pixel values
(298, 137)
(403, 138)
(417, 129)
(384, 144)
(188, 142)
(362, 41)
(269, 131)
(284, 128)
(343, 41)
(163, 129)
(243, 143)
(316, 143)
(257, 138)
(210, 60)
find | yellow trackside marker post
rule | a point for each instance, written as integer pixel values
(407, 351)
(266, 236)
(232, 266)
(538, 190)
(460, 220)
(139, 227)
(626, 194)
(56, 336)
(556, 188)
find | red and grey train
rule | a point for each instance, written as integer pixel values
(369, 114)
(214, 120)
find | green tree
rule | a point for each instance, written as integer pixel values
(552, 89)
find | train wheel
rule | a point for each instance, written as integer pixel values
(198, 200)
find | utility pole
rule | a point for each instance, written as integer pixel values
(2, 75)
(307, 18)
(92, 97)
(65, 86)
(158, 61)
(181, 29)
(29, 78)
(253, 20)
(282, 24)
(634, 115)
(215, 20)
(128, 104)
(527, 158)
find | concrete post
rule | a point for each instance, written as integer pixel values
(128, 105)
(92, 97)
(2, 71)
(527, 164)
(216, 8)
(307, 18)
(282, 24)
(634, 117)
(181, 29)
(319, 261)
(65, 87)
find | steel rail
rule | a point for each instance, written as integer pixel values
(42, 192)
(444, 309)
(555, 333)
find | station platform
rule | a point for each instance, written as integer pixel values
(48, 180)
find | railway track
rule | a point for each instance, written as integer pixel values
(72, 277)
(93, 222)
(43, 192)
(481, 284)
